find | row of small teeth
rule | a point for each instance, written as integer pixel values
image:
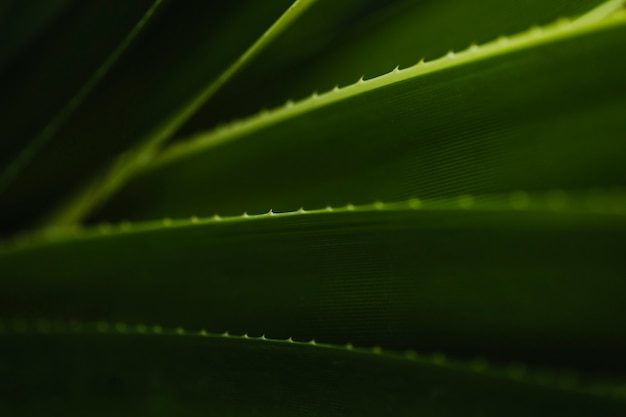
(535, 31)
(42, 326)
(556, 200)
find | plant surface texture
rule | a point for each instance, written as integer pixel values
(313, 208)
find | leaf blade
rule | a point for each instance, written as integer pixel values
(391, 275)
(81, 204)
(401, 144)
(166, 370)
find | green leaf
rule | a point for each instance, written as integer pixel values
(429, 29)
(150, 142)
(146, 99)
(525, 112)
(129, 370)
(501, 276)
(47, 84)
(397, 35)
(268, 81)
(415, 237)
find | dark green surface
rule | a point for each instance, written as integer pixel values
(428, 29)
(398, 33)
(268, 81)
(521, 291)
(38, 85)
(159, 74)
(178, 375)
(22, 22)
(534, 119)
(50, 72)
(535, 286)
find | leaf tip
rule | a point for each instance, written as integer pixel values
(75, 326)
(517, 370)
(415, 203)
(466, 201)
(19, 325)
(438, 358)
(556, 199)
(479, 365)
(43, 326)
(519, 200)
(563, 21)
(536, 30)
(102, 326)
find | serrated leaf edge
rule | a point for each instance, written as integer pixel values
(536, 35)
(560, 380)
(606, 202)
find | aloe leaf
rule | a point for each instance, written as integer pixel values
(150, 141)
(500, 276)
(398, 35)
(286, 60)
(162, 75)
(45, 85)
(128, 369)
(430, 29)
(415, 235)
(516, 126)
